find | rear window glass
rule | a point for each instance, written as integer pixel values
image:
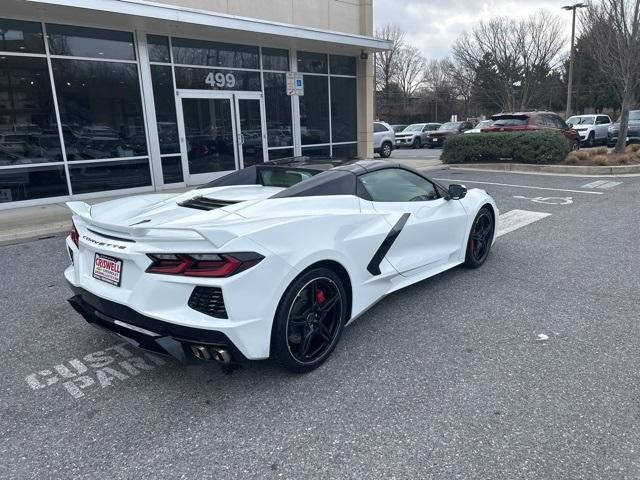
(450, 126)
(281, 177)
(509, 122)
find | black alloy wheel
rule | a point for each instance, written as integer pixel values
(417, 143)
(591, 141)
(480, 239)
(309, 321)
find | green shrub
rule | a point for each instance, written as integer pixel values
(543, 147)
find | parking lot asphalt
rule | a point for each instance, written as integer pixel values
(526, 368)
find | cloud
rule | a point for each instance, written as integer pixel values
(433, 25)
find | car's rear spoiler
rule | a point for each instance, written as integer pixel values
(216, 236)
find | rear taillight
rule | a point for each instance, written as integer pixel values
(202, 264)
(75, 236)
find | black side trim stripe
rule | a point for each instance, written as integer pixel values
(374, 264)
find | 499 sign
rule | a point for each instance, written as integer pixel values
(220, 80)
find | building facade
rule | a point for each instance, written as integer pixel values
(124, 96)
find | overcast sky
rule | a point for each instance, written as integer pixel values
(434, 25)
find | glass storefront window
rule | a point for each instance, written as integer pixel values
(278, 110)
(314, 111)
(280, 153)
(19, 36)
(100, 109)
(102, 176)
(28, 127)
(344, 109)
(275, 59)
(32, 182)
(164, 100)
(90, 42)
(202, 52)
(212, 79)
(323, 151)
(345, 152)
(341, 65)
(158, 47)
(309, 62)
(172, 169)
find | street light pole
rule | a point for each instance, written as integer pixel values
(574, 8)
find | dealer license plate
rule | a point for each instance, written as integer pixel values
(107, 269)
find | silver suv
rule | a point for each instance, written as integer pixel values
(384, 138)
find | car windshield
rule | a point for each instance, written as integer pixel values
(484, 123)
(582, 120)
(414, 128)
(450, 126)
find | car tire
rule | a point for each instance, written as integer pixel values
(574, 145)
(480, 238)
(305, 332)
(591, 140)
(386, 149)
(417, 143)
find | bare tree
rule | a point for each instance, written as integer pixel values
(614, 26)
(409, 74)
(386, 62)
(515, 56)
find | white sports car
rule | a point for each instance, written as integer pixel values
(270, 261)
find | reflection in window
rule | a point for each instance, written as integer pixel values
(280, 153)
(214, 54)
(172, 169)
(314, 111)
(101, 176)
(158, 47)
(275, 59)
(209, 134)
(28, 128)
(19, 36)
(32, 182)
(278, 110)
(211, 79)
(100, 108)
(344, 109)
(164, 100)
(341, 65)
(322, 152)
(345, 152)
(312, 62)
(90, 42)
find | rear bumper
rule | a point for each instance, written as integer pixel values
(145, 332)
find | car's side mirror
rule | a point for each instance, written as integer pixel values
(457, 192)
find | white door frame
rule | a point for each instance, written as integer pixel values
(233, 98)
(263, 123)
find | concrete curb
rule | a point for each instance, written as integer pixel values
(557, 169)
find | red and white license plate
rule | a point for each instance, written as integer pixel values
(107, 269)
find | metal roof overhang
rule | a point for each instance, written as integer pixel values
(170, 19)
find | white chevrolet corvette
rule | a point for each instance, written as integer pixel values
(270, 261)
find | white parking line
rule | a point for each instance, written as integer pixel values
(459, 180)
(602, 184)
(515, 219)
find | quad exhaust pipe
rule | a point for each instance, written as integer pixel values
(205, 352)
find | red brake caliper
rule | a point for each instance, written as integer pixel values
(320, 297)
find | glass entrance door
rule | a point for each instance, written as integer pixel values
(252, 138)
(220, 132)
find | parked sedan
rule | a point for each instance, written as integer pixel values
(593, 129)
(633, 134)
(415, 135)
(522, 121)
(449, 129)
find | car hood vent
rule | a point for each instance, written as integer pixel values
(204, 203)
